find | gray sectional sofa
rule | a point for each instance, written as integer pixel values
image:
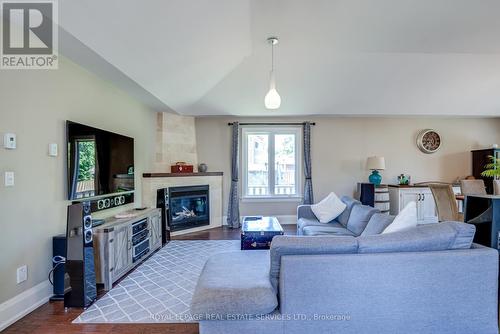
(357, 219)
(428, 279)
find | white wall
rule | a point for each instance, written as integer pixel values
(34, 104)
(340, 146)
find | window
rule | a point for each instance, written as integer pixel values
(271, 162)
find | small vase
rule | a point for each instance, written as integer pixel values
(202, 168)
(375, 178)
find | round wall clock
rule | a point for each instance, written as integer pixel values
(428, 141)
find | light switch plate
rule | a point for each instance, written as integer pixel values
(53, 150)
(9, 179)
(9, 141)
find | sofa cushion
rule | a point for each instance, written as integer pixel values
(377, 223)
(350, 203)
(302, 245)
(359, 217)
(234, 283)
(327, 229)
(304, 222)
(429, 237)
(406, 218)
(328, 208)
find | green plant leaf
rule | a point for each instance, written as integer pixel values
(492, 169)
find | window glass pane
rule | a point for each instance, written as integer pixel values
(258, 164)
(284, 164)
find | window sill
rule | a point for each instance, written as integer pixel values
(268, 199)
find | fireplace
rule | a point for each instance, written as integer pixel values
(188, 207)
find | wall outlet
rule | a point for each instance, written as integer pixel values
(9, 141)
(22, 274)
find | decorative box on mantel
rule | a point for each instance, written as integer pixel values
(151, 182)
(181, 167)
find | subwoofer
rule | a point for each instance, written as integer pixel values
(79, 267)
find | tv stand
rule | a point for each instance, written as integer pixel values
(122, 244)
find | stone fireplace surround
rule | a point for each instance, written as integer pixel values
(151, 182)
(176, 141)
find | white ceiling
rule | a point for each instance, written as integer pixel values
(341, 57)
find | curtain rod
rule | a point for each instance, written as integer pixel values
(312, 123)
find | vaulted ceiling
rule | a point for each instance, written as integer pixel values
(340, 57)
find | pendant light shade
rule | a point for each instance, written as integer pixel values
(272, 99)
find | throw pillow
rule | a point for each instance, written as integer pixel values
(406, 218)
(329, 208)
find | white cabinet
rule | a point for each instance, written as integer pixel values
(405, 197)
(422, 196)
(426, 207)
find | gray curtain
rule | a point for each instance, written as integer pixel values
(233, 210)
(308, 187)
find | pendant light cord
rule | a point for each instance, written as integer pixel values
(272, 57)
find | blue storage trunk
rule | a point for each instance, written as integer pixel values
(257, 232)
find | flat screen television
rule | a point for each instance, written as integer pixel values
(99, 162)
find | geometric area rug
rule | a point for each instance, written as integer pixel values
(160, 289)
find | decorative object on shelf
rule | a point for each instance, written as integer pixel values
(272, 99)
(202, 168)
(428, 141)
(181, 167)
(404, 180)
(375, 164)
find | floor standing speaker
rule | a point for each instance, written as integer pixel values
(79, 267)
(162, 202)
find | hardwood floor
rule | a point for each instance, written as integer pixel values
(52, 318)
(225, 233)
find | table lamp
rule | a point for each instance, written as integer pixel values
(375, 164)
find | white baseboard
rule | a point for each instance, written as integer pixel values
(284, 219)
(22, 304)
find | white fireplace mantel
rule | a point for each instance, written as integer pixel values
(151, 182)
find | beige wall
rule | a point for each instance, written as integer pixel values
(340, 146)
(34, 105)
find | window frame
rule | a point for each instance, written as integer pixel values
(271, 131)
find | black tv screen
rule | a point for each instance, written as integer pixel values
(99, 162)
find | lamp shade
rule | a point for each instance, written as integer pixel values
(375, 163)
(272, 99)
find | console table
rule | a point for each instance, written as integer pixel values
(113, 245)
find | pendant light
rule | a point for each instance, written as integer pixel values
(272, 99)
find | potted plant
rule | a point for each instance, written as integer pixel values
(493, 168)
